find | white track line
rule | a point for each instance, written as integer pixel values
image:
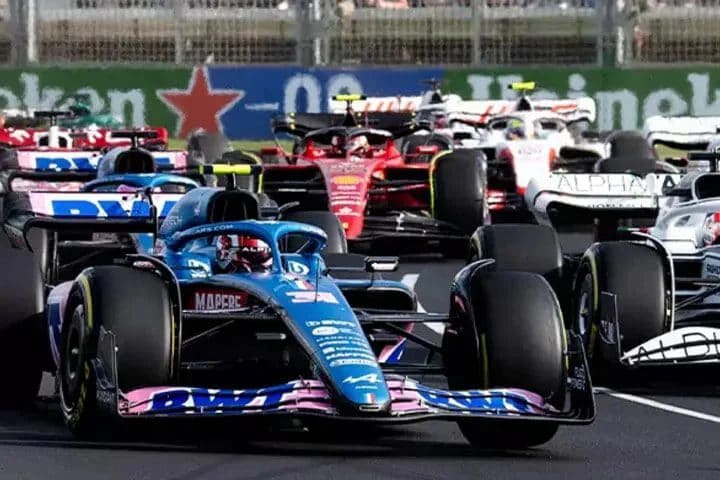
(410, 279)
(659, 405)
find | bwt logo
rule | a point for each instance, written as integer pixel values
(67, 163)
(107, 208)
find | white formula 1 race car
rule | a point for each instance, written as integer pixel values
(647, 291)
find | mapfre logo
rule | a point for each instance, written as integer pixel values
(218, 300)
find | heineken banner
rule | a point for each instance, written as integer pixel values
(240, 100)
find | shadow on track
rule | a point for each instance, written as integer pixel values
(684, 381)
(231, 436)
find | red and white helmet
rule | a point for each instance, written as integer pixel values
(242, 253)
(711, 230)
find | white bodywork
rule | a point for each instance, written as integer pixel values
(479, 124)
(682, 131)
(680, 233)
(460, 113)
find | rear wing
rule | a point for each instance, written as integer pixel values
(300, 124)
(90, 138)
(67, 170)
(380, 104)
(681, 133)
(599, 193)
(99, 212)
(571, 110)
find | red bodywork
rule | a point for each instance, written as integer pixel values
(82, 139)
(355, 184)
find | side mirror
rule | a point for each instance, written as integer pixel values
(381, 264)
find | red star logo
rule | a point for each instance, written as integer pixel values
(200, 106)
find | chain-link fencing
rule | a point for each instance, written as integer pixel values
(350, 32)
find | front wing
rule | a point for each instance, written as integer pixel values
(685, 345)
(410, 400)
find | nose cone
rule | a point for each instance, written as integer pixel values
(363, 390)
(352, 223)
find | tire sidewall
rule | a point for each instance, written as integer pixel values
(79, 405)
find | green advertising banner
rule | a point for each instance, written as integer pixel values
(624, 98)
(240, 99)
(124, 92)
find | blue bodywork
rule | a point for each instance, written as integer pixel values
(312, 304)
(348, 378)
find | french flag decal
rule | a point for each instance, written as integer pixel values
(370, 398)
(304, 285)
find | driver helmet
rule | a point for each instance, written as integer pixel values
(338, 144)
(359, 145)
(515, 130)
(242, 253)
(538, 130)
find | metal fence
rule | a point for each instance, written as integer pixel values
(336, 32)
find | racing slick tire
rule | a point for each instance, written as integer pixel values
(523, 247)
(629, 152)
(206, 148)
(634, 273)
(328, 222)
(108, 298)
(458, 186)
(414, 141)
(23, 339)
(508, 344)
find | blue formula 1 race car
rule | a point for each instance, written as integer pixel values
(234, 315)
(65, 183)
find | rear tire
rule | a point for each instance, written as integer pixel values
(523, 248)
(206, 148)
(23, 338)
(458, 186)
(143, 333)
(328, 222)
(629, 152)
(621, 268)
(533, 320)
(413, 141)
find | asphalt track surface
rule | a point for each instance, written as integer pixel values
(669, 428)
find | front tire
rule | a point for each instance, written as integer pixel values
(108, 298)
(634, 273)
(509, 344)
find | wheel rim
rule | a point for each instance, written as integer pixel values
(73, 354)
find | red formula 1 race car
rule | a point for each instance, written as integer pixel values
(43, 131)
(350, 164)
